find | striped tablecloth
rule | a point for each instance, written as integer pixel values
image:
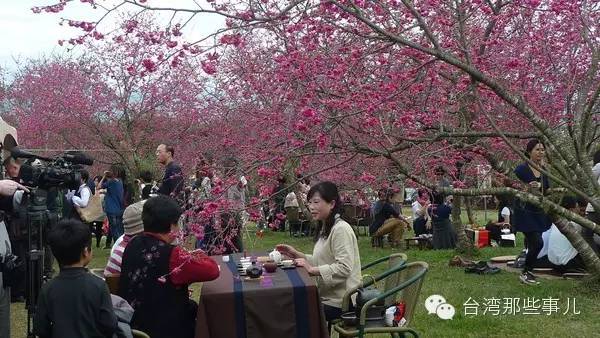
(283, 304)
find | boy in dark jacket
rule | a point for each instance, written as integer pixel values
(75, 303)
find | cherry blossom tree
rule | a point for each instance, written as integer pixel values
(119, 99)
(417, 83)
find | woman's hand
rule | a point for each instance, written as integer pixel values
(288, 250)
(310, 269)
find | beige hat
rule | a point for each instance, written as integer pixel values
(132, 218)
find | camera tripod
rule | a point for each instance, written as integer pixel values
(34, 211)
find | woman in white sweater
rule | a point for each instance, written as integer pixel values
(335, 260)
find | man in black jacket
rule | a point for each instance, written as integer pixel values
(172, 182)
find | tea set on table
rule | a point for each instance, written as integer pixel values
(253, 268)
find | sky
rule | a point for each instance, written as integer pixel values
(24, 34)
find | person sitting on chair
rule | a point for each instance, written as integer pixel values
(496, 229)
(132, 222)
(387, 220)
(155, 274)
(419, 209)
(335, 260)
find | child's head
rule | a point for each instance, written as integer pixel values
(160, 215)
(71, 242)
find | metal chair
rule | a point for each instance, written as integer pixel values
(292, 217)
(402, 283)
(393, 260)
(352, 215)
(113, 283)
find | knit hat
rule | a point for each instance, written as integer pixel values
(132, 218)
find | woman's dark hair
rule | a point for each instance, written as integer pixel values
(328, 192)
(504, 200)
(438, 197)
(568, 202)
(68, 239)
(146, 176)
(531, 144)
(117, 171)
(159, 213)
(597, 157)
(85, 175)
(422, 192)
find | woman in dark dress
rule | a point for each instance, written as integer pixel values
(529, 219)
(444, 236)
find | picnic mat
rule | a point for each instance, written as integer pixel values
(503, 259)
(545, 273)
(283, 304)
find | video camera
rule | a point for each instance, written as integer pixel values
(47, 178)
(44, 173)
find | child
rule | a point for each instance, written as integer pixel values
(75, 303)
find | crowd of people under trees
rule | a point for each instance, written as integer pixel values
(147, 225)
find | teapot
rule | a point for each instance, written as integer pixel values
(253, 271)
(275, 256)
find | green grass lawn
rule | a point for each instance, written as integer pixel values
(456, 287)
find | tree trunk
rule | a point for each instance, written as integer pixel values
(463, 244)
(469, 207)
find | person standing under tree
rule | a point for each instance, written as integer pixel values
(113, 203)
(529, 219)
(172, 182)
(79, 199)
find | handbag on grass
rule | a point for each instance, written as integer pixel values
(94, 211)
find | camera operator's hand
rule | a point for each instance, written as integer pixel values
(8, 187)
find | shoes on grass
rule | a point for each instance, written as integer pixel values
(482, 268)
(460, 262)
(528, 278)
